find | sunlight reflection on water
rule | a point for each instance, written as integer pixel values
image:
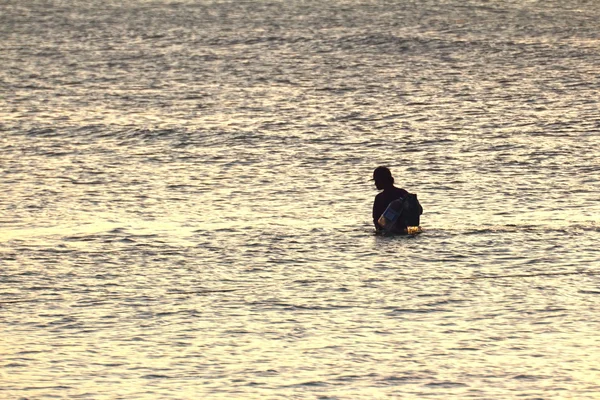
(186, 203)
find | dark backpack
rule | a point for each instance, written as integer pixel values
(401, 213)
(411, 210)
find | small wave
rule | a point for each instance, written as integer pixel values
(446, 384)
(589, 291)
(308, 384)
(43, 132)
(156, 376)
(525, 377)
(417, 310)
(149, 134)
(61, 387)
(15, 365)
(203, 291)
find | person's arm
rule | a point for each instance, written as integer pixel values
(377, 211)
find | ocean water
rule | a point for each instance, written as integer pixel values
(185, 199)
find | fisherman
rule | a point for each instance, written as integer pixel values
(385, 181)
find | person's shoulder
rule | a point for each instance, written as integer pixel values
(379, 196)
(401, 192)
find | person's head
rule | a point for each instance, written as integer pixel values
(383, 178)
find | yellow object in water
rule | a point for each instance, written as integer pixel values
(413, 230)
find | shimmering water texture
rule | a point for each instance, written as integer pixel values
(185, 202)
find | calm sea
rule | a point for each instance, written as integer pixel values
(185, 199)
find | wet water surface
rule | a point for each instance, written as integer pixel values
(185, 202)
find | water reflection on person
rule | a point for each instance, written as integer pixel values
(385, 181)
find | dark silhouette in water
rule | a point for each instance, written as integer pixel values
(410, 215)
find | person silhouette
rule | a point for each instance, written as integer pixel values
(385, 181)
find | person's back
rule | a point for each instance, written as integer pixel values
(383, 200)
(385, 181)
